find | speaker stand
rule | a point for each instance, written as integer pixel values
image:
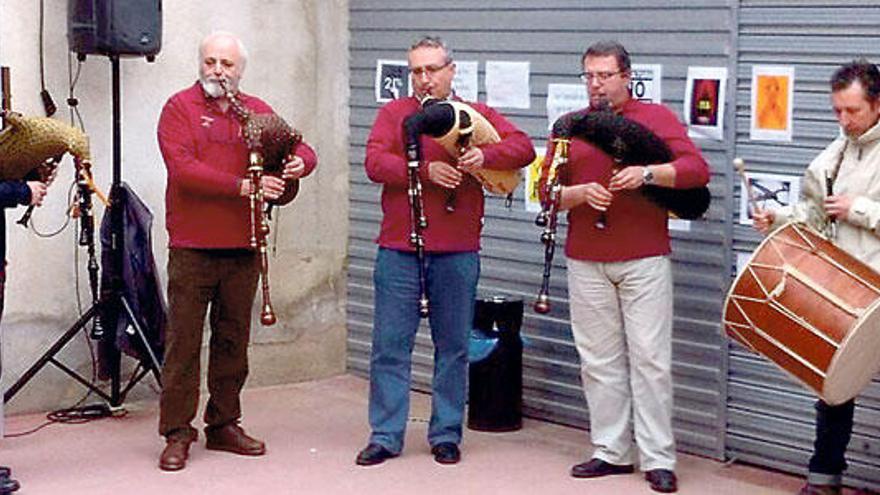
(113, 300)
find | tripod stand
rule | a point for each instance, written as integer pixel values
(112, 300)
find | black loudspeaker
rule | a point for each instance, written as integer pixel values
(115, 27)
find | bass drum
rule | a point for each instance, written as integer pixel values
(812, 309)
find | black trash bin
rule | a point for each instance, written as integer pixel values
(495, 382)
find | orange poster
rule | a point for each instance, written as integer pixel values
(772, 102)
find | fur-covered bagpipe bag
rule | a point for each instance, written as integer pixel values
(29, 142)
(629, 143)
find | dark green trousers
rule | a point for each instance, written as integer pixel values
(225, 281)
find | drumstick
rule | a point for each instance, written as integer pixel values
(740, 165)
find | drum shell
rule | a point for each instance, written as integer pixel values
(812, 309)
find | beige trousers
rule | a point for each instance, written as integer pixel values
(621, 319)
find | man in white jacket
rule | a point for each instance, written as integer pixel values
(850, 216)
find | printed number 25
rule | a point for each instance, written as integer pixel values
(392, 85)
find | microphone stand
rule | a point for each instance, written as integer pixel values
(87, 235)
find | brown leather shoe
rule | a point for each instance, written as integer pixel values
(175, 454)
(232, 438)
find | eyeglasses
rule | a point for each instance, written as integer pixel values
(598, 76)
(429, 70)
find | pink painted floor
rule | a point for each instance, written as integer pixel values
(313, 431)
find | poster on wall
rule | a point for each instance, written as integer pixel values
(564, 98)
(772, 103)
(507, 84)
(466, 79)
(532, 177)
(646, 80)
(391, 80)
(770, 192)
(704, 102)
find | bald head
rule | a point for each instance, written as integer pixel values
(223, 56)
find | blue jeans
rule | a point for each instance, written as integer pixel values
(451, 281)
(834, 426)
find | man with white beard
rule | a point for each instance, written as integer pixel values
(210, 261)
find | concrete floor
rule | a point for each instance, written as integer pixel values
(313, 431)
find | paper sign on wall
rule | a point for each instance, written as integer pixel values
(772, 102)
(704, 97)
(391, 79)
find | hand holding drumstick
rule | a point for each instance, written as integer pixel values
(761, 219)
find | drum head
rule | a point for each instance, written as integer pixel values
(810, 308)
(856, 362)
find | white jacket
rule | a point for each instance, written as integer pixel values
(859, 178)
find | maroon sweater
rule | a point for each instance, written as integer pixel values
(207, 159)
(636, 226)
(386, 164)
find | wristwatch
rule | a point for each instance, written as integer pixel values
(647, 176)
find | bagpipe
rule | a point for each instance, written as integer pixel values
(628, 143)
(270, 141)
(32, 147)
(549, 214)
(455, 126)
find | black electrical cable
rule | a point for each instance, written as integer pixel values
(71, 416)
(48, 104)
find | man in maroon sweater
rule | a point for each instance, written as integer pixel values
(452, 263)
(620, 279)
(210, 261)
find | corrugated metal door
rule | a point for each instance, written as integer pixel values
(552, 36)
(770, 418)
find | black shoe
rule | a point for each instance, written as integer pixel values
(446, 453)
(595, 468)
(373, 454)
(811, 489)
(8, 485)
(5, 472)
(662, 480)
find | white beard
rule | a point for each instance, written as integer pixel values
(212, 87)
